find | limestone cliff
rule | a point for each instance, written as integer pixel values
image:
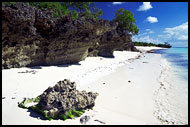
(32, 37)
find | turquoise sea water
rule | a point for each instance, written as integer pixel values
(177, 94)
(178, 57)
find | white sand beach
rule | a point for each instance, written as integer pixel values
(129, 88)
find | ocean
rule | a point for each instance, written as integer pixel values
(177, 93)
(178, 57)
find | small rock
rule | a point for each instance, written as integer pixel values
(129, 81)
(131, 68)
(84, 119)
(104, 83)
(13, 98)
(3, 97)
(100, 121)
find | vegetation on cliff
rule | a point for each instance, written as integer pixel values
(61, 9)
(126, 21)
(89, 9)
(165, 45)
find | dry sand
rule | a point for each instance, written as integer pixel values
(126, 85)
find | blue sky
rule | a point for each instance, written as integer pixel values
(158, 22)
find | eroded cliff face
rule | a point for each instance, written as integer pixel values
(32, 37)
(22, 43)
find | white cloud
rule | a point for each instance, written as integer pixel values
(145, 6)
(176, 36)
(151, 19)
(117, 3)
(144, 39)
(177, 33)
(145, 33)
(149, 31)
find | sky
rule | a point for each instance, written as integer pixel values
(158, 22)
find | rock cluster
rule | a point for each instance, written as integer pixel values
(33, 37)
(63, 97)
(114, 40)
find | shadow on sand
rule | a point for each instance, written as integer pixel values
(64, 65)
(36, 115)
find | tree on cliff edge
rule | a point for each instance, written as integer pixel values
(64, 8)
(126, 21)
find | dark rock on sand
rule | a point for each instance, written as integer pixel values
(100, 121)
(64, 96)
(84, 119)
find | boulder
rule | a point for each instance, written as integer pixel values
(61, 101)
(64, 96)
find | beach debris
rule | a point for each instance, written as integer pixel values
(33, 71)
(99, 121)
(151, 51)
(138, 57)
(61, 101)
(84, 119)
(161, 84)
(28, 102)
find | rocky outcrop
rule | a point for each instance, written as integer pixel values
(22, 45)
(32, 37)
(64, 96)
(71, 39)
(61, 100)
(115, 40)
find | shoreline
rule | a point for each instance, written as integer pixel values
(170, 110)
(88, 77)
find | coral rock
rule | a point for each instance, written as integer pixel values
(64, 96)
